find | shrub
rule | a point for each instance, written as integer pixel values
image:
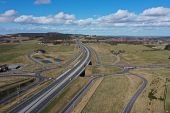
(151, 95)
(167, 47)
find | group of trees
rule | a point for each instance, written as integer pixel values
(167, 47)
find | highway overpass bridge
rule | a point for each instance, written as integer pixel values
(39, 101)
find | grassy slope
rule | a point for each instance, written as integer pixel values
(168, 99)
(28, 93)
(90, 70)
(66, 53)
(11, 80)
(156, 82)
(16, 52)
(163, 74)
(111, 96)
(139, 54)
(134, 54)
(59, 102)
(103, 50)
(4, 85)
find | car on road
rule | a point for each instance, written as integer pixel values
(129, 67)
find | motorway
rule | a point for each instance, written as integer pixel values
(37, 74)
(37, 102)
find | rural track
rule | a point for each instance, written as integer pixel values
(70, 106)
(74, 101)
(140, 89)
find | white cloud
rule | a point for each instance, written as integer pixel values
(9, 13)
(84, 22)
(120, 17)
(8, 16)
(158, 11)
(158, 16)
(60, 18)
(42, 2)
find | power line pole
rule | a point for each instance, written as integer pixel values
(18, 93)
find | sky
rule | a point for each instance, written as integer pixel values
(93, 17)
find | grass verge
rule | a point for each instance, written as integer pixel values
(109, 96)
(59, 102)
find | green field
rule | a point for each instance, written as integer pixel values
(134, 54)
(114, 92)
(162, 72)
(140, 54)
(15, 53)
(103, 51)
(167, 102)
(148, 101)
(109, 96)
(90, 70)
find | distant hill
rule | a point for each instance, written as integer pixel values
(49, 36)
(39, 34)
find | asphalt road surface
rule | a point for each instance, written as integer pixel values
(130, 104)
(36, 74)
(69, 107)
(38, 101)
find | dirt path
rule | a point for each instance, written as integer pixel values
(117, 60)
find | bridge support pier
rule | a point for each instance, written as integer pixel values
(90, 63)
(82, 74)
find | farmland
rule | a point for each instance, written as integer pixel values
(114, 88)
(111, 95)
